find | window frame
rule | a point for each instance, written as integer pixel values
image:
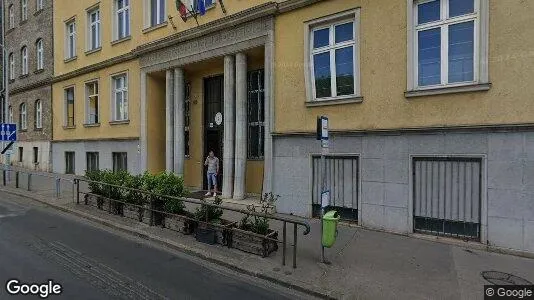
(23, 10)
(480, 18)
(10, 114)
(88, 120)
(11, 16)
(70, 36)
(148, 13)
(66, 107)
(23, 116)
(40, 54)
(96, 26)
(96, 158)
(11, 58)
(38, 118)
(73, 165)
(125, 9)
(24, 60)
(117, 158)
(39, 5)
(124, 91)
(331, 21)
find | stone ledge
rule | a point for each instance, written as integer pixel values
(448, 90)
(334, 101)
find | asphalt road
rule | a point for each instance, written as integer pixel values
(38, 244)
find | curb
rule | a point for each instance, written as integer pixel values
(176, 246)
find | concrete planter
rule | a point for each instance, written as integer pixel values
(179, 223)
(254, 244)
(222, 235)
(133, 212)
(146, 214)
(91, 200)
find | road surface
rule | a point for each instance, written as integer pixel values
(89, 261)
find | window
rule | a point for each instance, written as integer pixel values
(23, 117)
(92, 161)
(11, 12)
(40, 54)
(10, 112)
(94, 29)
(446, 42)
(24, 61)
(69, 107)
(122, 19)
(91, 106)
(69, 163)
(187, 113)
(35, 155)
(256, 116)
(70, 51)
(38, 114)
(11, 67)
(157, 12)
(39, 4)
(23, 10)
(21, 154)
(120, 97)
(333, 57)
(120, 161)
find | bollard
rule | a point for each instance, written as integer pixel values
(29, 181)
(77, 182)
(4, 174)
(17, 179)
(57, 187)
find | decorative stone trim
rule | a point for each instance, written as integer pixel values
(119, 139)
(334, 101)
(449, 90)
(95, 67)
(30, 86)
(294, 4)
(122, 122)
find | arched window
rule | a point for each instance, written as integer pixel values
(11, 13)
(11, 67)
(24, 60)
(10, 111)
(40, 54)
(23, 117)
(24, 10)
(38, 114)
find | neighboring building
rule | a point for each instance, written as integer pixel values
(430, 111)
(29, 46)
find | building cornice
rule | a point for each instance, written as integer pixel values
(30, 86)
(95, 67)
(290, 5)
(419, 130)
(117, 139)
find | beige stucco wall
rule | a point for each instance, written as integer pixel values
(383, 49)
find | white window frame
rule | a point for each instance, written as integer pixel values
(93, 26)
(24, 60)
(23, 10)
(330, 22)
(125, 101)
(148, 13)
(88, 96)
(23, 116)
(11, 12)
(480, 18)
(70, 39)
(11, 59)
(66, 107)
(38, 114)
(40, 54)
(126, 21)
(39, 4)
(10, 114)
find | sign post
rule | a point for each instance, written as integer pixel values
(322, 135)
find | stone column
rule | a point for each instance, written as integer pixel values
(179, 121)
(143, 151)
(229, 125)
(268, 112)
(169, 121)
(240, 126)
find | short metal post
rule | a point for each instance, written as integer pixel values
(294, 245)
(4, 175)
(77, 182)
(284, 244)
(29, 181)
(58, 187)
(17, 179)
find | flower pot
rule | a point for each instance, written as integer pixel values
(221, 228)
(205, 235)
(255, 244)
(133, 212)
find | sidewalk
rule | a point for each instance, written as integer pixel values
(365, 264)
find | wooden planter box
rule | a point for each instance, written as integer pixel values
(133, 212)
(222, 235)
(179, 223)
(254, 244)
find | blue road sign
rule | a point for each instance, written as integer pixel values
(8, 132)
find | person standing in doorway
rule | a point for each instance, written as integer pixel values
(213, 171)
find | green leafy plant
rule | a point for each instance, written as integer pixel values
(209, 213)
(257, 224)
(95, 177)
(134, 196)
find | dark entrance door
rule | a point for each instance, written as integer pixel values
(213, 133)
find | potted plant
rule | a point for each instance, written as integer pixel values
(261, 242)
(212, 228)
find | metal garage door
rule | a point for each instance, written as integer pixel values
(447, 196)
(341, 181)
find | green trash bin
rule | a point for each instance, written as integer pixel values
(330, 220)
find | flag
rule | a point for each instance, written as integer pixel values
(182, 9)
(222, 6)
(201, 7)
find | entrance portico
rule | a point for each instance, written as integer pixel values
(234, 53)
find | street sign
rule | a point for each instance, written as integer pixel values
(8, 132)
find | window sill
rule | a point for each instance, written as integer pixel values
(152, 28)
(11, 80)
(339, 101)
(38, 71)
(66, 60)
(37, 129)
(89, 52)
(123, 122)
(256, 159)
(10, 29)
(92, 125)
(449, 90)
(23, 76)
(38, 12)
(124, 39)
(69, 127)
(24, 130)
(23, 22)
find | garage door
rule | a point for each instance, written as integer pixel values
(447, 196)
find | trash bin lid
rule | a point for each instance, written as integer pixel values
(331, 215)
